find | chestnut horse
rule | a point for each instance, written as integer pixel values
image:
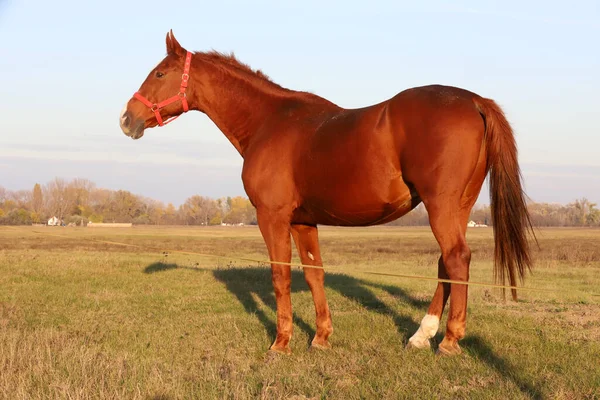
(308, 161)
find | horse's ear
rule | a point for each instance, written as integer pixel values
(173, 46)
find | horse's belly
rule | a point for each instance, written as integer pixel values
(357, 210)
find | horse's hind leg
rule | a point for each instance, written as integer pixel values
(431, 322)
(456, 258)
(307, 243)
(448, 216)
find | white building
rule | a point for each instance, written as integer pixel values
(473, 224)
(54, 221)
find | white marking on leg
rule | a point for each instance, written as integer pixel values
(311, 256)
(427, 330)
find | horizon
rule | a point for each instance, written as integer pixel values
(72, 67)
(213, 197)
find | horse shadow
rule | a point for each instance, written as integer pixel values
(249, 283)
(482, 350)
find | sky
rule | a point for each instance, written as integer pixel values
(68, 67)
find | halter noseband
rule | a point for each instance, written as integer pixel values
(156, 107)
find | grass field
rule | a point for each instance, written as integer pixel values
(80, 319)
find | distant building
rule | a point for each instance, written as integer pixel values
(54, 221)
(473, 224)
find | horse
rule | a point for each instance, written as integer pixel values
(309, 162)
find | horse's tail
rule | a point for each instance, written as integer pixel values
(509, 209)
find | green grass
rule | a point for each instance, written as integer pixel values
(80, 319)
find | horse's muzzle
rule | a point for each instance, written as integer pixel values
(133, 129)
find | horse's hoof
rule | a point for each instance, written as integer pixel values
(273, 355)
(319, 346)
(417, 345)
(452, 350)
(283, 351)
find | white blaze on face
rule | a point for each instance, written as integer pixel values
(427, 330)
(122, 116)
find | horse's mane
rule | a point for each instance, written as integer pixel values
(231, 61)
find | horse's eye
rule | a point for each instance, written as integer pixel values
(159, 74)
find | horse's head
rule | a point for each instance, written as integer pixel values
(162, 95)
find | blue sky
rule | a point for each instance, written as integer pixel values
(68, 67)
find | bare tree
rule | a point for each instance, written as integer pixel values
(60, 198)
(170, 215)
(3, 194)
(22, 198)
(199, 210)
(153, 210)
(593, 216)
(583, 207)
(123, 206)
(82, 189)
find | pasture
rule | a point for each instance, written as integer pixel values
(80, 319)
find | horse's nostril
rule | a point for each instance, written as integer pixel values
(125, 121)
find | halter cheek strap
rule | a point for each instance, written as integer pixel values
(156, 107)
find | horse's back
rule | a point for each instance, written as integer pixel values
(357, 166)
(430, 110)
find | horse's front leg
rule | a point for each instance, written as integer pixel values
(275, 229)
(307, 243)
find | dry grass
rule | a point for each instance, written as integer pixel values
(85, 320)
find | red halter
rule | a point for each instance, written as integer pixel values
(155, 108)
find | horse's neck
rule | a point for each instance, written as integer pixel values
(236, 101)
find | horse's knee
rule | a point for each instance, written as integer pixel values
(314, 277)
(281, 282)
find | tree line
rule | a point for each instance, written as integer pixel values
(79, 201)
(581, 212)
